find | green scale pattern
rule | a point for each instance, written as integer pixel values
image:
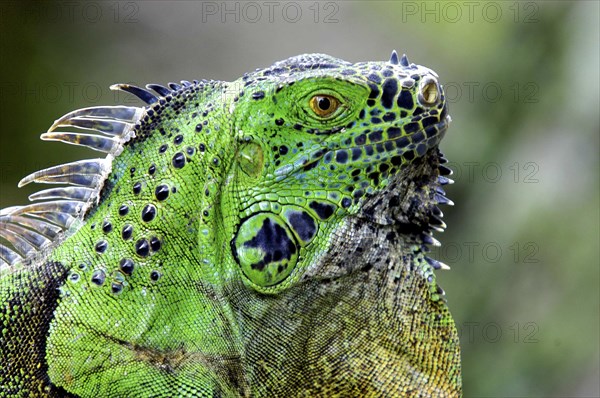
(258, 238)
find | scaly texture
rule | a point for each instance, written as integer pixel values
(264, 237)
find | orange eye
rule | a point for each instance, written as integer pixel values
(324, 105)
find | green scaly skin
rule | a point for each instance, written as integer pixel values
(274, 250)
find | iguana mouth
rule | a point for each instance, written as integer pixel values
(437, 130)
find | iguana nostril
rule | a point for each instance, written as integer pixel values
(428, 91)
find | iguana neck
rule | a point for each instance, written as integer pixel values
(381, 280)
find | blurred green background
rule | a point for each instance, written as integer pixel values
(523, 82)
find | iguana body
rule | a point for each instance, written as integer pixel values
(260, 238)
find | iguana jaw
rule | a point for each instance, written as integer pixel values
(410, 200)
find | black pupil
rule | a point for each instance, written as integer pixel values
(323, 103)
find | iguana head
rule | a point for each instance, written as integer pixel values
(320, 140)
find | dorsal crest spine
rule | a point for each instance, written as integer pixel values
(28, 232)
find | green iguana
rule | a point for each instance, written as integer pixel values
(260, 238)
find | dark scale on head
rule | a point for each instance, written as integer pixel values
(178, 139)
(356, 153)
(323, 210)
(411, 127)
(154, 276)
(132, 171)
(178, 160)
(389, 117)
(405, 100)
(127, 266)
(374, 93)
(148, 213)
(374, 177)
(101, 246)
(116, 287)
(202, 147)
(190, 151)
(258, 95)
(163, 148)
(346, 202)
(155, 244)
(107, 227)
(198, 127)
(375, 136)
(341, 156)
(74, 277)
(396, 160)
(127, 231)
(402, 142)
(161, 192)
(152, 169)
(142, 248)
(390, 89)
(98, 277)
(360, 139)
(310, 166)
(431, 132)
(303, 224)
(374, 77)
(393, 132)
(279, 122)
(417, 137)
(137, 188)
(429, 121)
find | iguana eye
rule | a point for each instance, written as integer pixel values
(324, 105)
(428, 91)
